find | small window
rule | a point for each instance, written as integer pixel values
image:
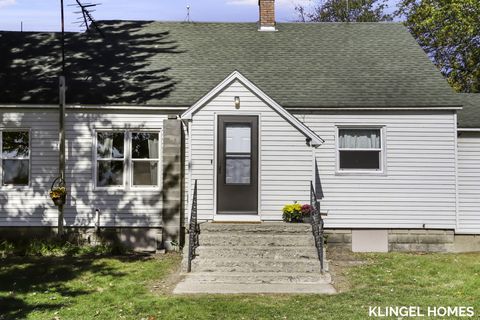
(360, 149)
(15, 158)
(110, 158)
(145, 158)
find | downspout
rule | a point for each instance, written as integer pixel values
(188, 125)
(457, 205)
(314, 169)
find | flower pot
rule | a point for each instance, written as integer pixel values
(307, 219)
(59, 201)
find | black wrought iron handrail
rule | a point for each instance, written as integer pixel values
(317, 224)
(193, 230)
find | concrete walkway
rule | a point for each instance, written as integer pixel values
(256, 258)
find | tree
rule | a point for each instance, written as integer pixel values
(345, 11)
(449, 32)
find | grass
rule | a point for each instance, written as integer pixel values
(109, 287)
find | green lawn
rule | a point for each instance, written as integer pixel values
(124, 288)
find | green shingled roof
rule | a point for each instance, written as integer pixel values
(469, 116)
(175, 64)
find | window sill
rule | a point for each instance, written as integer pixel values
(126, 189)
(360, 173)
(14, 187)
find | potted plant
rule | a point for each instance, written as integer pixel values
(296, 212)
(58, 192)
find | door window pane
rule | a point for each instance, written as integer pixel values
(110, 145)
(145, 173)
(109, 173)
(238, 170)
(238, 138)
(15, 172)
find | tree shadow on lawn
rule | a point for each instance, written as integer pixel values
(21, 278)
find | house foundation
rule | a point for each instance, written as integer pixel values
(401, 240)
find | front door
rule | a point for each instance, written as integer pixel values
(237, 165)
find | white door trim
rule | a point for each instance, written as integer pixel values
(243, 217)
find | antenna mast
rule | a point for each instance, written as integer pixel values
(348, 11)
(187, 18)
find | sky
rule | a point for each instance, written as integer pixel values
(44, 15)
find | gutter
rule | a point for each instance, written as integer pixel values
(457, 197)
(292, 109)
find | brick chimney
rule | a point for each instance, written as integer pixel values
(267, 15)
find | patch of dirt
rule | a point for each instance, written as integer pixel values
(166, 284)
(340, 261)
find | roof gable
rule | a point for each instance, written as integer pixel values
(313, 138)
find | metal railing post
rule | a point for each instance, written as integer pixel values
(193, 230)
(317, 225)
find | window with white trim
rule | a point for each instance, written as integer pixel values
(145, 158)
(15, 155)
(360, 149)
(110, 164)
(126, 158)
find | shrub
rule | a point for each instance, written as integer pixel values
(54, 247)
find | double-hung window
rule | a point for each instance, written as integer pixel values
(145, 158)
(360, 149)
(15, 155)
(110, 159)
(125, 158)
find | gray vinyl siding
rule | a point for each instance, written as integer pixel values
(32, 206)
(469, 182)
(418, 186)
(416, 190)
(285, 161)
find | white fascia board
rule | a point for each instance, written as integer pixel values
(469, 129)
(373, 108)
(91, 107)
(315, 140)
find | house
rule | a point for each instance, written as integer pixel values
(255, 113)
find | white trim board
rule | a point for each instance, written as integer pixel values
(469, 129)
(233, 217)
(315, 140)
(236, 218)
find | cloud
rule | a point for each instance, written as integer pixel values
(6, 3)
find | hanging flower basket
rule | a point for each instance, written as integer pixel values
(58, 192)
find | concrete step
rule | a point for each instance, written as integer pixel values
(192, 287)
(271, 240)
(264, 227)
(259, 277)
(261, 252)
(200, 264)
